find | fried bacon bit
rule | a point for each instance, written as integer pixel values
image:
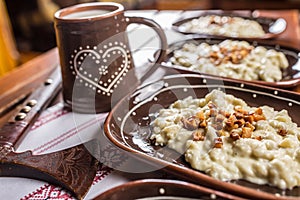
(249, 119)
(258, 138)
(258, 117)
(191, 123)
(203, 124)
(258, 111)
(198, 135)
(246, 132)
(213, 112)
(194, 122)
(282, 132)
(235, 135)
(249, 125)
(213, 55)
(218, 143)
(235, 126)
(238, 115)
(234, 54)
(200, 115)
(240, 122)
(229, 123)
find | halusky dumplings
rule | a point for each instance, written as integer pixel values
(227, 139)
(233, 59)
(225, 26)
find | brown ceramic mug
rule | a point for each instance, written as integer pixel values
(96, 62)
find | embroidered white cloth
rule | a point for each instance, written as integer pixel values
(57, 129)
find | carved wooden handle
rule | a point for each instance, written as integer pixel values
(26, 113)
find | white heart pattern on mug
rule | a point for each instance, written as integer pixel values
(84, 61)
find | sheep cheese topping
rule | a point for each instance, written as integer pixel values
(233, 59)
(227, 139)
(224, 26)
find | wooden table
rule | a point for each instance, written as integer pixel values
(30, 75)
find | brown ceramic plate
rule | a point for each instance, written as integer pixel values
(271, 26)
(128, 126)
(291, 75)
(151, 189)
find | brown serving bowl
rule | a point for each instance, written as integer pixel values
(291, 75)
(271, 26)
(128, 126)
(162, 189)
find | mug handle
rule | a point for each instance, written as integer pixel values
(163, 40)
